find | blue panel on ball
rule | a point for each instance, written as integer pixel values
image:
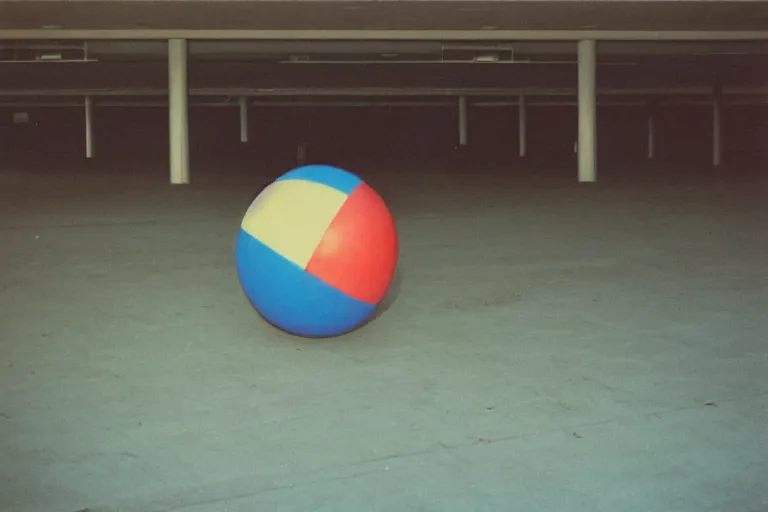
(342, 181)
(291, 298)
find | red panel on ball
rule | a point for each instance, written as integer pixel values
(358, 253)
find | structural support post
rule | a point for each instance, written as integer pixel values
(587, 142)
(178, 111)
(243, 119)
(651, 132)
(462, 121)
(717, 133)
(88, 127)
(522, 121)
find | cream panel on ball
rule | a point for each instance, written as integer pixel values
(291, 217)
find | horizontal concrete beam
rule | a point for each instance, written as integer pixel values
(748, 101)
(382, 92)
(400, 35)
(256, 49)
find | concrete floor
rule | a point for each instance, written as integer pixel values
(548, 346)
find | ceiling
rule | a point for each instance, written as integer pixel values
(401, 15)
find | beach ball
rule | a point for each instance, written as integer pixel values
(317, 251)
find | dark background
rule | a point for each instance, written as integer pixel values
(135, 138)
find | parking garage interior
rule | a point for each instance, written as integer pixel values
(577, 321)
(252, 104)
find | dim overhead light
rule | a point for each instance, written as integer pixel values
(487, 57)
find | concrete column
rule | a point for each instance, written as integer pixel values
(522, 127)
(178, 111)
(717, 133)
(651, 133)
(243, 119)
(462, 121)
(587, 141)
(301, 154)
(88, 127)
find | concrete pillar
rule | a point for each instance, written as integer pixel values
(587, 141)
(522, 127)
(651, 133)
(301, 154)
(177, 113)
(717, 133)
(88, 127)
(243, 119)
(462, 121)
